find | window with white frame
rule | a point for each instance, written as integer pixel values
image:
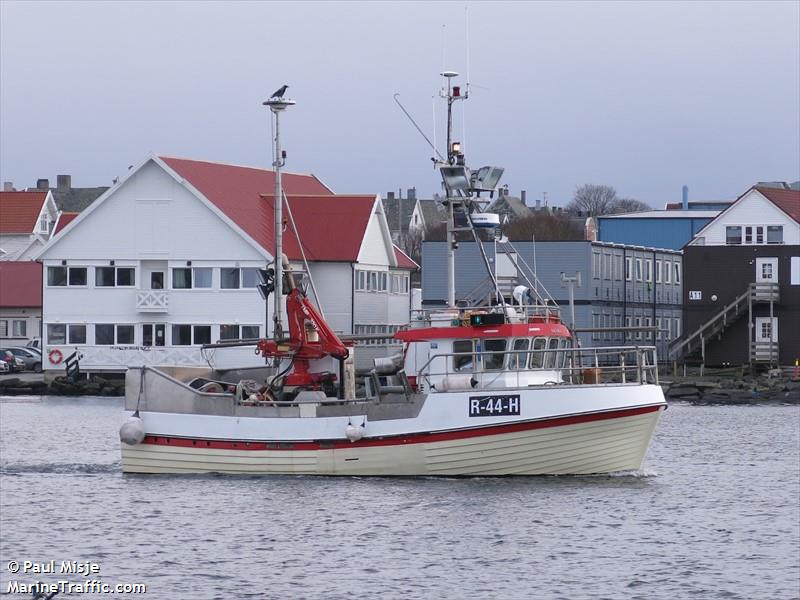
(188, 278)
(667, 271)
(618, 267)
(648, 322)
(13, 328)
(114, 277)
(595, 326)
(648, 270)
(733, 235)
(606, 266)
(188, 335)
(235, 332)
(677, 322)
(677, 274)
(774, 234)
(234, 278)
(658, 271)
(658, 328)
(597, 266)
(637, 322)
(108, 334)
(44, 224)
(66, 276)
(627, 324)
(66, 333)
(628, 271)
(638, 269)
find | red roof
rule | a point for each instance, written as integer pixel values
(64, 220)
(787, 200)
(331, 227)
(404, 261)
(20, 284)
(20, 210)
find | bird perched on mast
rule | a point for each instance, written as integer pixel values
(279, 92)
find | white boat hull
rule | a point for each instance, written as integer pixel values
(593, 442)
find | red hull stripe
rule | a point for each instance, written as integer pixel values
(399, 440)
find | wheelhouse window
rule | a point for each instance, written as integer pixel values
(464, 359)
(537, 356)
(551, 359)
(494, 355)
(518, 359)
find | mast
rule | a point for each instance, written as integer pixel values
(451, 93)
(278, 104)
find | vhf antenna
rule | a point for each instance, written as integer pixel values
(414, 123)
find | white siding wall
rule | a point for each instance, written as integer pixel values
(334, 284)
(19, 247)
(752, 209)
(32, 318)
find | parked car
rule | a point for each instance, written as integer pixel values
(15, 364)
(30, 356)
(35, 343)
(4, 368)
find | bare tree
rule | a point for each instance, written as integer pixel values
(593, 200)
(630, 205)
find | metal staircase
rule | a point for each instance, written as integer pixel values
(761, 351)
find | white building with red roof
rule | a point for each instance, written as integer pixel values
(20, 301)
(27, 222)
(166, 261)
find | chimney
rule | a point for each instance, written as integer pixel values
(390, 195)
(412, 193)
(8, 186)
(42, 184)
(522, 195)
(685, 204)
(64, 183)
(538, 204)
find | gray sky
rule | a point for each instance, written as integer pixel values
(644, 96)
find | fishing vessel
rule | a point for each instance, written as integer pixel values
(497, 389)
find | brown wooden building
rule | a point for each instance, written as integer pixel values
(741, 291)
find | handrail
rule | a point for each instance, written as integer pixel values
(751, 291)
(573, 361)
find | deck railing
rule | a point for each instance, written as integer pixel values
(597, 365)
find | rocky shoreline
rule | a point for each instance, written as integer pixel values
(62, 386)
(773, 387)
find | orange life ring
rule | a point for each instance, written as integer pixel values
(55, 356)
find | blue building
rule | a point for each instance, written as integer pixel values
(671, 229)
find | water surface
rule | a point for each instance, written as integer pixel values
(714, 514)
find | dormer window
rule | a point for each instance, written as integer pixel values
(44, 224)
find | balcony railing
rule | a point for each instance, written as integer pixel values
(152, 301)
